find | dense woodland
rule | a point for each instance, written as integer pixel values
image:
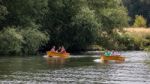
(138, 7)
(34, 26)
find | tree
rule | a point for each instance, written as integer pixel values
(84, 29)
(33, 39)
(24, 12)
(21, 20)
(77, 24)
(26, 41)
(11, 41)
(110, 13)
(3, 12)
(71, 23)
(139, 21)
(138, 7)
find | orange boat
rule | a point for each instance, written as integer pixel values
(56, 54)
(115, 58)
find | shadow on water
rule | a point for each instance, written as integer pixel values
(77, 69)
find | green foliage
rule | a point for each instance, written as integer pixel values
(27, 15)
(3, 12)
(71, 23)
(148, 37)
(24, 12)
(147, 48)
(139, 21)
(33, 40)
(26, 41)
(141, 39)
(85, 28)
(127, 42)
(118, 41)
(11, 41)
(138, 7)
(76, 24)
(110, 13)
(146, 44)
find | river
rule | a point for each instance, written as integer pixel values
(78, 69)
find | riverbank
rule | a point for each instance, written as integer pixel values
(140, 37)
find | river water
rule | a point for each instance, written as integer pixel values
(78, 69)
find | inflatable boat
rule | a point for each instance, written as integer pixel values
(115, 58)
(56, 54)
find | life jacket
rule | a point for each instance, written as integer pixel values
(107, 54)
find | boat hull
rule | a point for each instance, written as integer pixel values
(115, 58)
(56, 54)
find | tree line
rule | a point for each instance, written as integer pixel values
(138, 7)
(30, 26)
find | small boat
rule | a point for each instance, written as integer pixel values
(117, 59)
(56, 54)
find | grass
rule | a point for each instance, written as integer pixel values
(141, 36)
(138, 32)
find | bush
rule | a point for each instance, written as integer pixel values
(33, 40)
(147, 37)
(117, 41)
(139, 21)
(147, 48)
(25, 41)
(10, 41)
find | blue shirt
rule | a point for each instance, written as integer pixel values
(108, 53)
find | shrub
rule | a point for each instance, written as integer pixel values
(124, 42)
(147, 48)
(33, 40)
(10, 41)
(139, 21)
(25, 41)
(117, 41)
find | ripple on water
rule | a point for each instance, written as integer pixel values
(132, 71)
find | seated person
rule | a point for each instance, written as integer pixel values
(63, 50)
(115, 53)
(53, 49)
(58, 50)
(107, 53)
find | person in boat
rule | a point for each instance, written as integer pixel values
(53, 49)
(107, 53)
(63, 50)
(58, 50)
(115, 53)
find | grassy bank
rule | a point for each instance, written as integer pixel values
(139, 32)
(141, 37)
(129, 39)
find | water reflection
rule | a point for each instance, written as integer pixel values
(55, 62)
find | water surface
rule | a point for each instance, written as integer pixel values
(76, 70)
